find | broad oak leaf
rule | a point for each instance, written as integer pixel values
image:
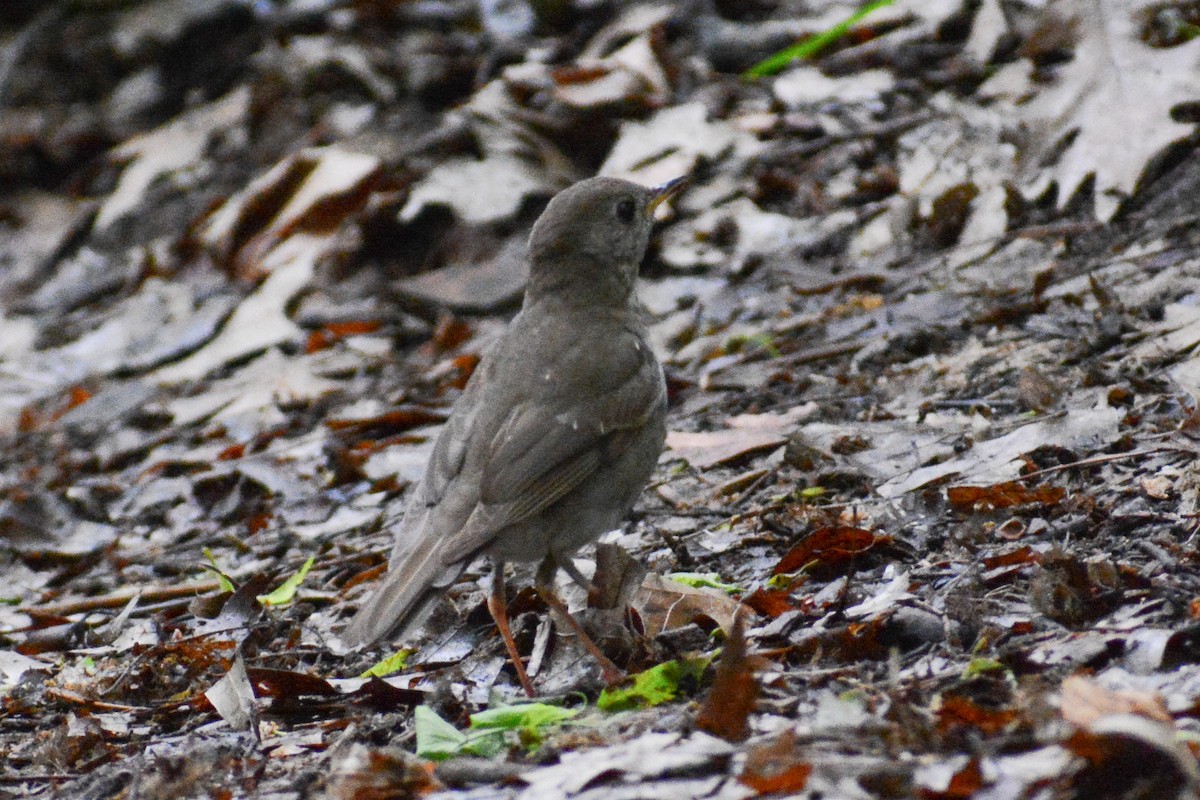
(1116, 95)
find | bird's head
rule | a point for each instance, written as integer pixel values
(593, 235)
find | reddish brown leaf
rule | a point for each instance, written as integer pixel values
(956, 710)
(366, 575)
(285, 683)
(769, 602)
(231, 453)
(29, 420)
(257, 522)
(573, 73)
(336, 331)
(399, 420)
(450, 333)
(465, 367)
(830, 547)
(79, 396)
(966, 782)
(777, 766)
(726, 710)
(1003, 495)
(1022, 555)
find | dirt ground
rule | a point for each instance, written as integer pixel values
(926, 522)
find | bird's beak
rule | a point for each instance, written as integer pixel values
(665, 192)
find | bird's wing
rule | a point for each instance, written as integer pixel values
(505, 456)
(546, 447)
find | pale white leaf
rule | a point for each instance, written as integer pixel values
(1116, 95)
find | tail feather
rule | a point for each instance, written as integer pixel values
(402, 594)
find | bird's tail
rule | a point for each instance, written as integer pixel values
(404, 594)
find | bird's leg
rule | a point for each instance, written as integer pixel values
(498, 607)
(544, 584)
(568, 566)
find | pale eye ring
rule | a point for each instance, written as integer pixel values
(626, 210)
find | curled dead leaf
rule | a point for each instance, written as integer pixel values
(664, 604)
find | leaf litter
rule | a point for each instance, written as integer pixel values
(925, 417)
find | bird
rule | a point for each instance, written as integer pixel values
(557, 431)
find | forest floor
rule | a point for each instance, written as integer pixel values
(926, 523)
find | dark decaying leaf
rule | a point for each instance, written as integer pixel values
(727, 707)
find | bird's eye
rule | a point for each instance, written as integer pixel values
(626, 210)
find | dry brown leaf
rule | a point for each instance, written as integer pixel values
(726, 709)
(710, 448)
(1158, 487)
(1084, 702)
(664, 604)
(777, 766)
(1003, 495)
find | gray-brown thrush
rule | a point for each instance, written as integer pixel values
(558, 430)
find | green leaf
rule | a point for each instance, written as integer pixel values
(710, 580)
(523, 716)
(393, 663)
(484, 743)
(810, 492)
(222, 579)
(287, 590)
(979, 666)
(436, 738)
(781, 581)
(528, 721)
(653, 687)
(813, 44)
(764, 341)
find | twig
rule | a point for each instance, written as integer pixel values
(1157, 553)
(119, 598)
(1088, 462)
(827, 351)
(72, 697)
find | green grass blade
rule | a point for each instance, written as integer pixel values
(813, 44)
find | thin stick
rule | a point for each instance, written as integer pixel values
(1088, 462)
(121, 598)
